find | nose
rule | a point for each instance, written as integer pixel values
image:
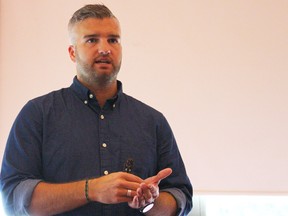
(102, 52)
(104, 48)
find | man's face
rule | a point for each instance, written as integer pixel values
(91, 38)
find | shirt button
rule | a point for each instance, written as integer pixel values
(85, 102)
(114, 105)
(104, 145)
(91, 96)
(102, 117)
(106, 172)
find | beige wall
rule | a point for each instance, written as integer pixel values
(216, 69)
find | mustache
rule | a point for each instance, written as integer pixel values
(103, 59)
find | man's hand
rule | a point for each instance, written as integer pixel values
(113, 188)
(149, 189)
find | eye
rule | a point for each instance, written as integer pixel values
(92, 40)
(114, 40)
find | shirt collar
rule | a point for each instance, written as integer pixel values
(84, 93)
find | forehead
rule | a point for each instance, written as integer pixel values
(106, 26)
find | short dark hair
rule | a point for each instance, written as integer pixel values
(98, 11)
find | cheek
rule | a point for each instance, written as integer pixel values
(119, 54)
(86, 55)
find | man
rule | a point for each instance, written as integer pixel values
(66, 151)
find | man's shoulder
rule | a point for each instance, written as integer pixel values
(47, 100)
(51, 95)
(140, 105)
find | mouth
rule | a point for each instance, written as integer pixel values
(103, 61)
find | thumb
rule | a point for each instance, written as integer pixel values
(160, 175)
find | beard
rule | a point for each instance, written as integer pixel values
(91, 75)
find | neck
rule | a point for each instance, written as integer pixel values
(102, 92)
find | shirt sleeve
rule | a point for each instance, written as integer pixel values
(178, 183)
(22, 196)
(21, 165)
(180, 199)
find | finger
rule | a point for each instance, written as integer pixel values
(137, 203)
(128, 193)
(154, 191)
(126, 184)
(164, 173)
(131, 181)
(160, 175)
(139, 192)
(130, 177)
(142, 203)
(141, 198)
(146, 193)
(134, 203)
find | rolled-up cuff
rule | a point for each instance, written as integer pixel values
(22, 196)
(179, 197)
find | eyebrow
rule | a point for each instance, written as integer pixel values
(97, 35)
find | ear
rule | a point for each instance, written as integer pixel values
(71, 50)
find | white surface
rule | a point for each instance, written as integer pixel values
(216, 69)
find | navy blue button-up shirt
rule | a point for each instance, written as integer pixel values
(65, 136)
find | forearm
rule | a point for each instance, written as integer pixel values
(165, 204)
(50, 199)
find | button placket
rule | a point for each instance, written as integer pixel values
(104, 152)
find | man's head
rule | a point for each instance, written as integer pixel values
(95, 44)
(96, 11)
